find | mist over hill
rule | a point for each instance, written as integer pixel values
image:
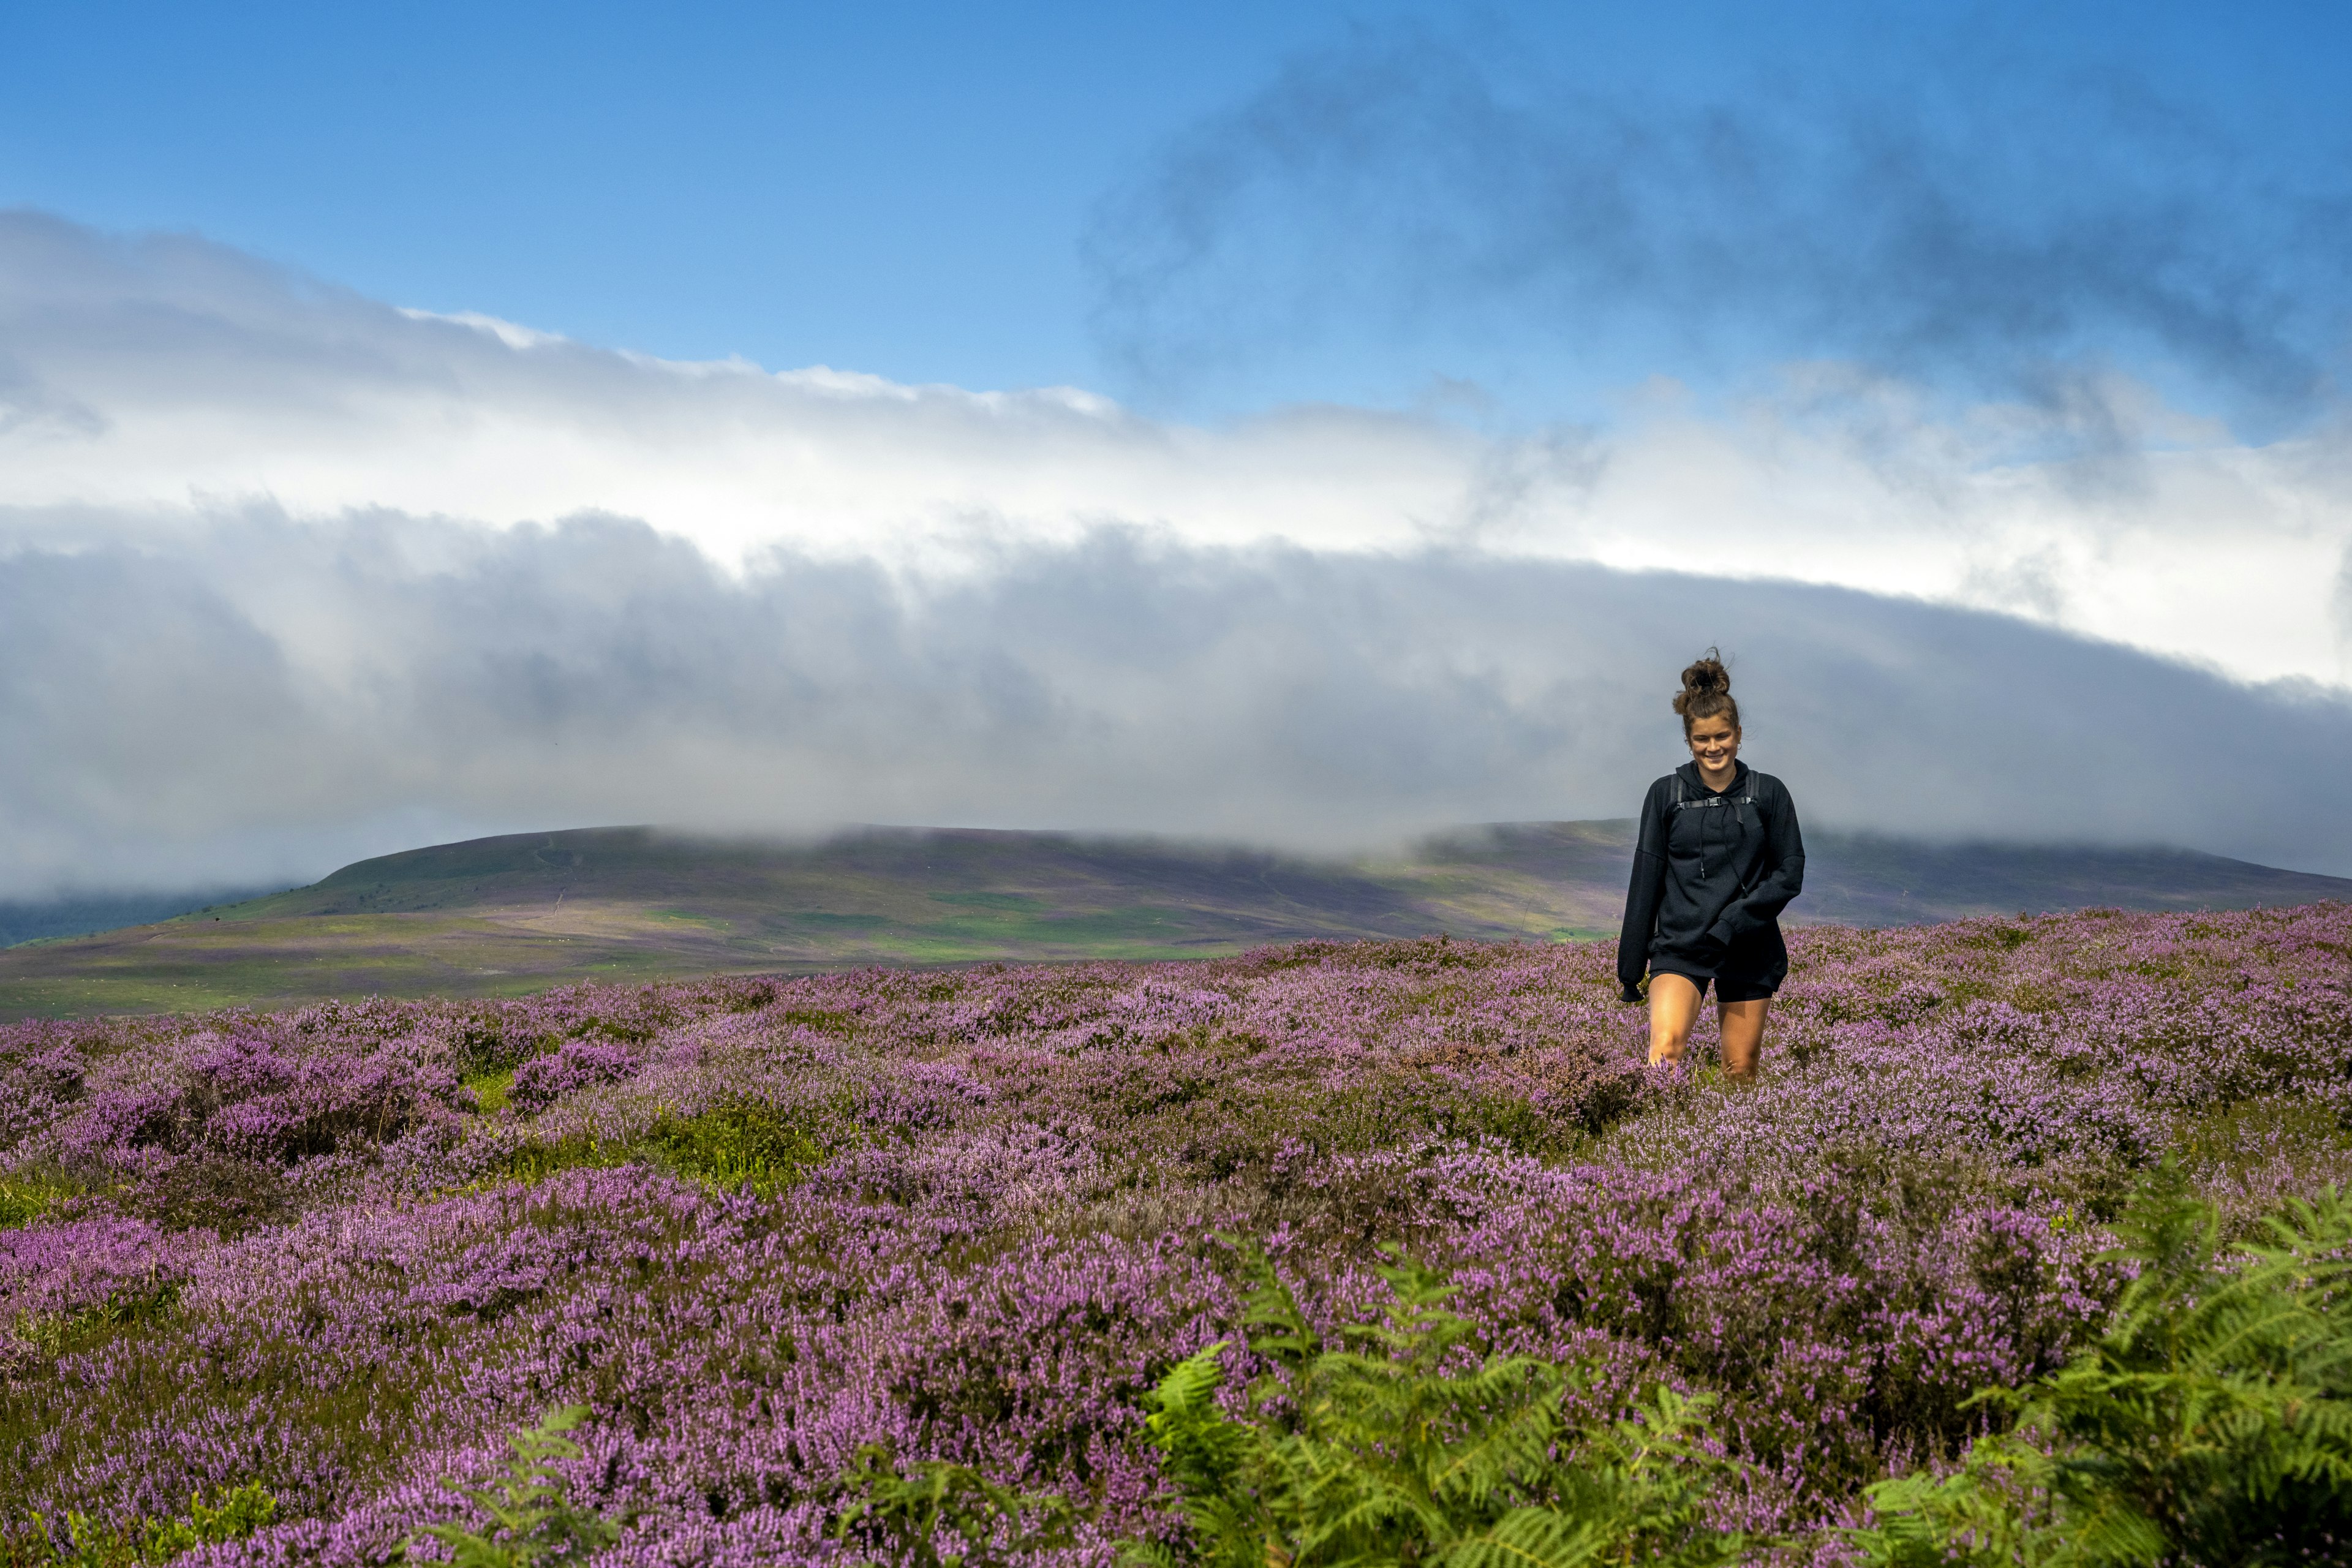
(518, 912)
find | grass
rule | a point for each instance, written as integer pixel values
(747, 1144)
(288, 961)
(198, 967)
(491, 1090)
(503, 917)
(737, 1144)
(27, 1194)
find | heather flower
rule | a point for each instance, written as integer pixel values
(290, 1250)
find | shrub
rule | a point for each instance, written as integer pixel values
(232, 1515)
(214, 1191)
(904, 1518)
(2212, 1422)
(1405, 1450)
(1903, 1209)
(574, 1065)
(532, 1518)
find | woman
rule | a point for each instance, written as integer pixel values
(1718, 858)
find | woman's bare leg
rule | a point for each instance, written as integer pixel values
(1743, 1034)
(1674, 1009)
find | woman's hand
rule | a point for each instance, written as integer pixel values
(1630, 995)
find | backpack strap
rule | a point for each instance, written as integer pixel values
(1710, 803)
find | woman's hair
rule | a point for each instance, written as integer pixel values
(1706, 691)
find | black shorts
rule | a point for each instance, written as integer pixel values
(1733, 983)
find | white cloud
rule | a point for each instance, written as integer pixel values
(167, 377)
(511, 333)
(282, 582)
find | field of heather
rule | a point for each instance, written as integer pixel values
(338, 1255)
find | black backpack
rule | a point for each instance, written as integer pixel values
(1746, 804)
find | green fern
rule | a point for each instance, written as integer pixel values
(2210, 1424)
(1405, 1447)
(532, 1518)
(233, 1514)
(906, 1518)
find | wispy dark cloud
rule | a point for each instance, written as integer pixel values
(263, 698)
(1968, 212)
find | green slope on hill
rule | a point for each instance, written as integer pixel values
(516, 914)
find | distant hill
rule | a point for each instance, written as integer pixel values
(1870, 880)
(526, 911)
(45, 920)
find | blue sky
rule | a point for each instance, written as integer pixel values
(889, 187)
(978, 194)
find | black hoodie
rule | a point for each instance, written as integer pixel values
(1710, 876)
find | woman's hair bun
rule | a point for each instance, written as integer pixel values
(1706, 691)
(1706, 673)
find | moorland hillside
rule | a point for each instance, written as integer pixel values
(513, 914)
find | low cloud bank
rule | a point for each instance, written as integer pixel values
(150, 385)
(258, 697)
(281, 586)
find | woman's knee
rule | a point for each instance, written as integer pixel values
(1674, 1010)
(1743, 1034)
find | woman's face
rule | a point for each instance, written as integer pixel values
(1713, 742)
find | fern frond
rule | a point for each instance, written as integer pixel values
(1272, 1322)
(1402, 1444)
(1532, 1538)
(1510, 1454)
(2212, 1421)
